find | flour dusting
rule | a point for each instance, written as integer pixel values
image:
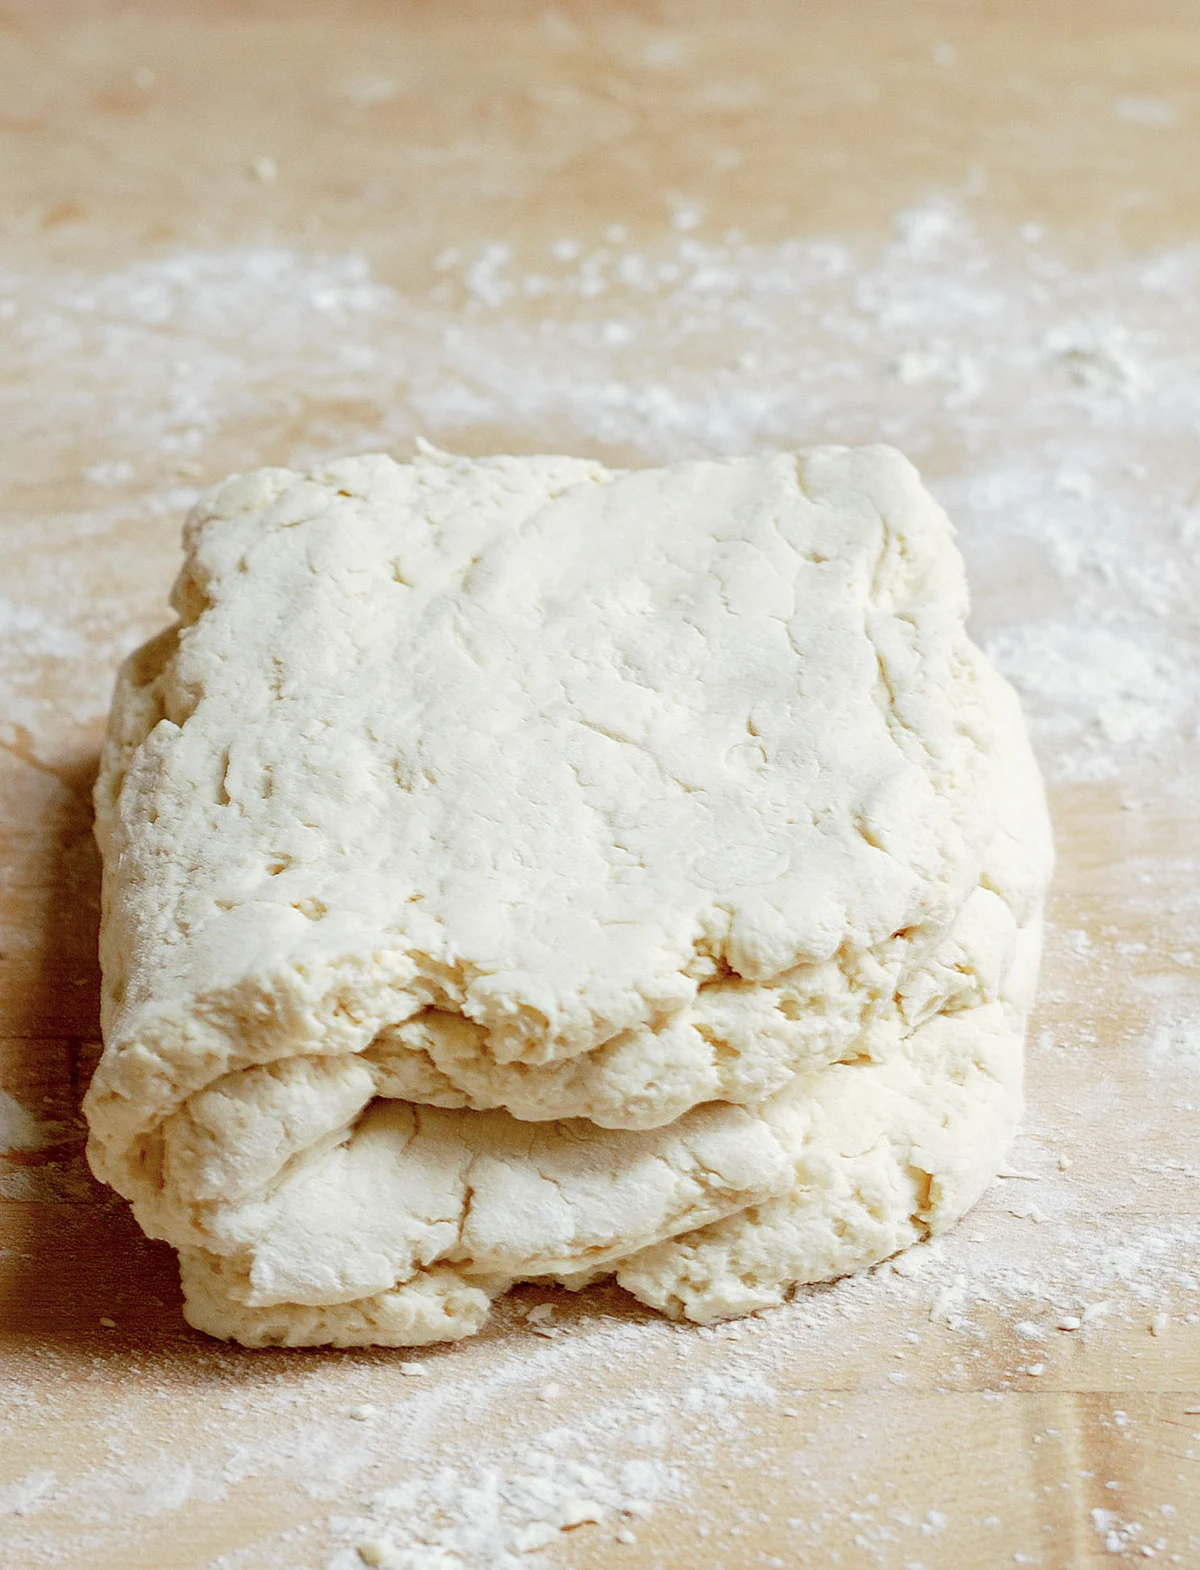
(1054, 410)
(1041, 402)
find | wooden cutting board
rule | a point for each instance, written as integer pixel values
(239, 233)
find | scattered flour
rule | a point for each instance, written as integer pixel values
(20, 1130)
(1048, 406)
(1041, 400)
(23, 1496)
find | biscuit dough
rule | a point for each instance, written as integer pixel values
(519, 869)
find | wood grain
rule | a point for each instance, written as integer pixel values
(128, 134)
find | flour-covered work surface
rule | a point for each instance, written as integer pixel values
(643, 239)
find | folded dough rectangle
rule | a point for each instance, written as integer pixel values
(495, 849)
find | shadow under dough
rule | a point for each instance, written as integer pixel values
(75, 1254)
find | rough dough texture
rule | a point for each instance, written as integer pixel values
(518, 869)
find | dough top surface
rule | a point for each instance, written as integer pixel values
(566, 743)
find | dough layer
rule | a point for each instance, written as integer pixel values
(517, 869)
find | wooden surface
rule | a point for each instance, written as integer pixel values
(906, 1420)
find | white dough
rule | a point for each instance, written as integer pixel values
(518, 869)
